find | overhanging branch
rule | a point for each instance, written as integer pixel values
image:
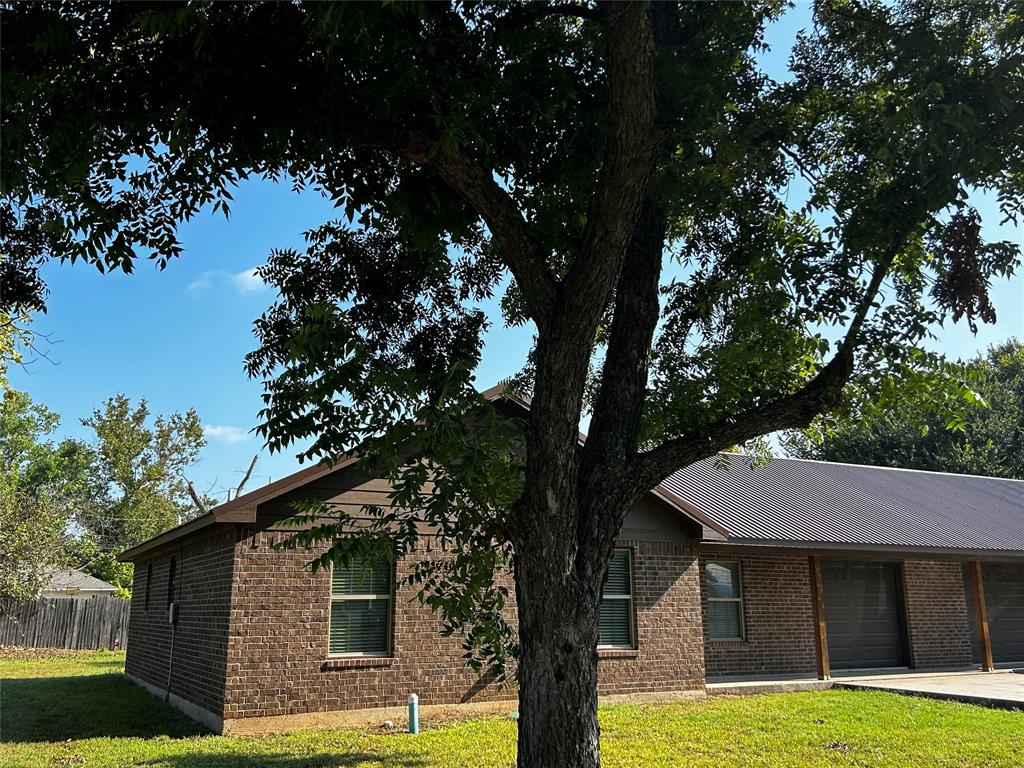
(478, 188)
(523, 255)
(792, 411)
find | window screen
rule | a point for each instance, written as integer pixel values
(616, 612)
(725, 601)
(361, 608)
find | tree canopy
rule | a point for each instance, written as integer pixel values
(989, 442)
(706, 255)
(76, 503)
(138, 479)
(42, 484)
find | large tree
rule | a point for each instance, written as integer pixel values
(989, 441)
(138, 485)
(705, 255)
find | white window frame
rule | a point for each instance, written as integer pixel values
(389, 639)
(738, 600)
(632, 607)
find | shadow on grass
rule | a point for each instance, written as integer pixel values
(283, 760)
(84, 707)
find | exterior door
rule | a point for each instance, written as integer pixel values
(1004, 602)
(862, 614)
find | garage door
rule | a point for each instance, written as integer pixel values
(862, 614)
(1004, 601)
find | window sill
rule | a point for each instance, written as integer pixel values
(733, 641)
(356, 662)
(618, 653)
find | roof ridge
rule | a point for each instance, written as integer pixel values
(893, 469)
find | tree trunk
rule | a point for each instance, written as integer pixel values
(558, 621)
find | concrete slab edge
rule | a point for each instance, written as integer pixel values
(981, 701)
(186, 707)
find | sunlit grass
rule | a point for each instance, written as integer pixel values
(77, 710)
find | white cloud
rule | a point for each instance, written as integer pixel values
(248, 281)
(226, 434)
(202, 283)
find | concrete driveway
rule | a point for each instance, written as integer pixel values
(1003, 688)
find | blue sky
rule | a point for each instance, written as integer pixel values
(178, 337)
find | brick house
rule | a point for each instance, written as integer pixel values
(792, 568)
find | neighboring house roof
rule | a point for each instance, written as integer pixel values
(71, 580)
(815, 503)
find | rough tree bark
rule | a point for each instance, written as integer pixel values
(558, 662)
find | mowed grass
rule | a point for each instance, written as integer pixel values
(76, 710)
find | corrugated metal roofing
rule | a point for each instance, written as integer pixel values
(801, 501)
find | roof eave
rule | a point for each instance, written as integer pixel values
(911, 551)
(167, 537)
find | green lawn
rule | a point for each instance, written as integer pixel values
(76, 710)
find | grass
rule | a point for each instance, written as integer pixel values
(76, 710)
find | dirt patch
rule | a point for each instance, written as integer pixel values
(431, 715)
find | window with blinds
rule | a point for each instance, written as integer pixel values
(725, 600)
(361, 608)
(615, 629)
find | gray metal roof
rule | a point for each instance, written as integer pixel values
(64, 578)
(813, 502)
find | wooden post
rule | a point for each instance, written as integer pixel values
(982, 615)
(820, 632)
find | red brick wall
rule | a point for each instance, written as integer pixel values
(937, 620)
(202, 589)
(777, 617)
(277, 656)
(670, 646)
(779, 620)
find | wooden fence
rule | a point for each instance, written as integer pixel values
(65, 622)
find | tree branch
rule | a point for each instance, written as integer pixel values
(478, 188)
(245, 478)
(201, 505)
(628, 161)
(523, 255)
(792, 411)
(618, 409)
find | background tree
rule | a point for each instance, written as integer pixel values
(33, 541)
(15, 336)
(989, 442)
(90, 502)
(138, 483)
(628, 165)
(42, 485)
(85, 554)
(34, 464)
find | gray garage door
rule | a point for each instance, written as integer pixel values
(1004, 600)
(862, 614)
